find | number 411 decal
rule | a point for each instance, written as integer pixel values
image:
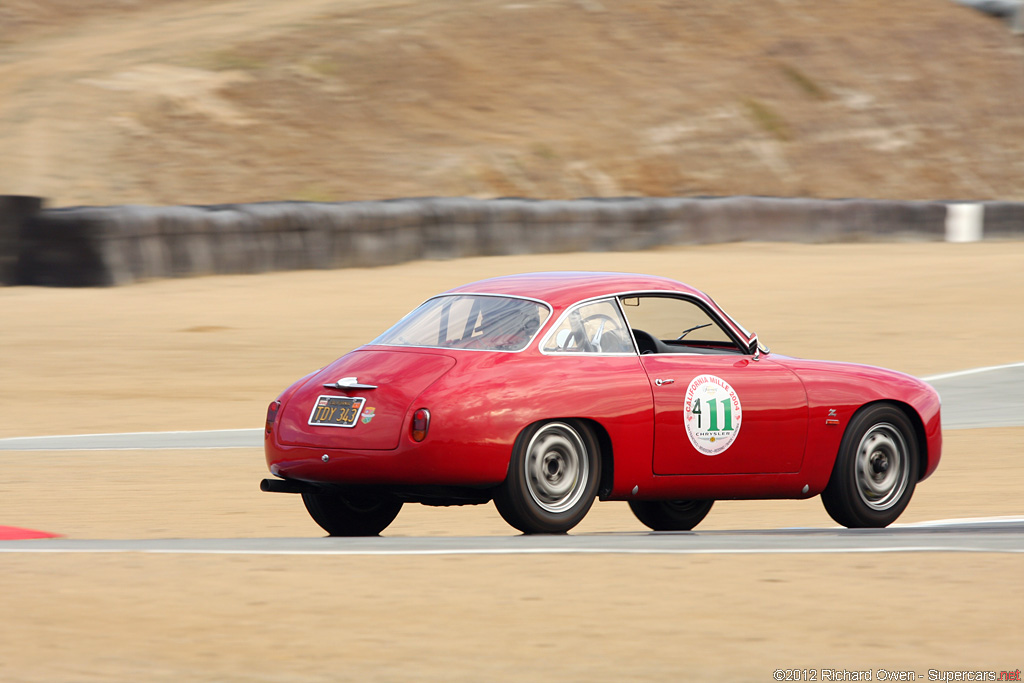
(712, 409)
(716, 405)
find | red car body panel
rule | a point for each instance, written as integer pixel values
(403, 373)
(847, 387)
(477, 410)
(794, 411)
(774, 405)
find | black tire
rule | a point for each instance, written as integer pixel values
(552, 478)
(876, 469)
(671, 515)
(351, 513)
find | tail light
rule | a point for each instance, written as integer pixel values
(272, 414)
(420, 424)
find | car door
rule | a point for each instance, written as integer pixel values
(717, 408)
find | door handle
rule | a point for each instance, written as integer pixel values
(660, 381)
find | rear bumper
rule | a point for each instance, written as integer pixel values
(410, 464)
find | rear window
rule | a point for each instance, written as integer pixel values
(486, 323)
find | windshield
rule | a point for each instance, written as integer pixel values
(739, 327)
(475, 321)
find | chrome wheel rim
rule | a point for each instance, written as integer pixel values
(557, 467)
(883, 466)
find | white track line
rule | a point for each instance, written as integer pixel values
(962, 521)
(179, 431)
(137, 441)
(959, 521)
(973, 371)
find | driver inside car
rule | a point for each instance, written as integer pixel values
(508, 326)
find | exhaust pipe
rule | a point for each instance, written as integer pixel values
(284, 486)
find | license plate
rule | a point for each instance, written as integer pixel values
(336, 411)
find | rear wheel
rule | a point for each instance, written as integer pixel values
(671, 515)
(351, 513)
(552, 478)
(875, 471)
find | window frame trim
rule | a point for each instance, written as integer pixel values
(615, 299)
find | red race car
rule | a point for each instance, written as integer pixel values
(543, 391)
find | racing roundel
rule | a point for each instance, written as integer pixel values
(713, 414)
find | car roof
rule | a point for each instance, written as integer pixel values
(567, 287)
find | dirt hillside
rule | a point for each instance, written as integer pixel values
(208, 101)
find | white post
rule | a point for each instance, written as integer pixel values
(964, 222)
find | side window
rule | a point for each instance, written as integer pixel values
(665, 324)
(596, 327)
(459, 321)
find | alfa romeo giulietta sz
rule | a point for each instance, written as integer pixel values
(544, 391)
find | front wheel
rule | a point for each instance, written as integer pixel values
(351, 513)
(875, 471)
(671, 515)
(552, 478)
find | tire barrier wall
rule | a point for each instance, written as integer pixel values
(90, 246)
(15, 213)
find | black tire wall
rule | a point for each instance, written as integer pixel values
(101, 246)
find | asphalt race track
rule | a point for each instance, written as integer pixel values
(984, 397)
(1000, 535)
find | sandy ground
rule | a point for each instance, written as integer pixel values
(211, 352)
(145, 618)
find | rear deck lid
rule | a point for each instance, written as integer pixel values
(371, 392)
